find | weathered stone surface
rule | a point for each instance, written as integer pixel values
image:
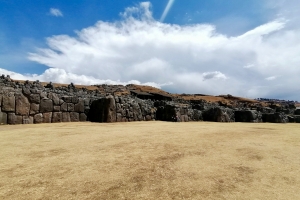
(34, 108)
(297, 111)
(275, 118)
(1, 100)
(46, 105)
(38, 118)
(248, 116)
(56, 117)
(217, 115)
(66, 117)
(111, 106)
(165, 112)
(297, 118)
(43, 95)
(47, 117)
(82, 117)
(64, 107)
(87, 102)
(26, 91)
(148, 118)
(27, 120)
(3, 118)
(22, 105)
(67, 99)
(12, 118)
(74, 116)
(291, 119)
(103, 110)
(56, 108)
(70, 107)
(196, 115)
(79, 107)
(61, 101)
(54, 98)
(35, 98)
(119, 117)
(9, 103)
(184, 118)
(75, 99)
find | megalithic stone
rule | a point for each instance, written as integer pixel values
(111, 109)
(22, 105)
(9, 103)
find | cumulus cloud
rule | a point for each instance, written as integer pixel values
(61, 76)
(184, 59)
(56, 12)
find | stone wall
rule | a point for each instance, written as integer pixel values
(32, 102)
(28, 103)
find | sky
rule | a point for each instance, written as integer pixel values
(246, 48)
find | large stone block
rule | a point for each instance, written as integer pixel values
(46, 105)
(297, 111)
(74, 116)
(38, 118)
(26, 91)
(67, 99)
(218, 114)
(47, 117)
(64, 107)
(103, 110)
(56, 117)
(35, 98)
(9, 103)
(87, 102)
(111, 106)
(247, 116)
(275, 118)
(79, 107)
(54, 98)
(297, 118)
(70, 107)
(3, 118)
(22, 105)
(34, 108)
(56, 108)
(75, 99)
(66, 117)
(82, 117)
(27, 120)
(12, 118)
(119, 117)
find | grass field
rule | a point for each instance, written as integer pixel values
(150, 160)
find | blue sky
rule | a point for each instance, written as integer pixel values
(215, 47)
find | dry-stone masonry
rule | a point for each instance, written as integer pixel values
(32, 102)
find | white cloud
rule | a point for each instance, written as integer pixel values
(271, 78)
(248, 66)
(194, 58)
(61, 76)
(56, 12)
(213, 75)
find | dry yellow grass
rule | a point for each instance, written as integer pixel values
(150, 160)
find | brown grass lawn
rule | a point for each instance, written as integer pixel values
(150, 160)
